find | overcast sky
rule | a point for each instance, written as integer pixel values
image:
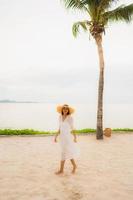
(40, 60)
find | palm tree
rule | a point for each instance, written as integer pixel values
(99, 15)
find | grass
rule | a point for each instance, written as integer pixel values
(37, 132)
(123, 129)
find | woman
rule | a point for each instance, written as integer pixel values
(69, 149)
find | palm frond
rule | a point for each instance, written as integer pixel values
(74, 4)
(88, 5)
(101, 8)
(96, 7)
(123, 13)
(105, 4)
(76, 26)
(91, 2)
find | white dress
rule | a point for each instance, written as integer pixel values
(69, 148)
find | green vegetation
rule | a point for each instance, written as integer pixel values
(36, 132)
(23, 132)
(87, 130)
(123, 129)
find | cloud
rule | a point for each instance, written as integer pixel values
(40, 59)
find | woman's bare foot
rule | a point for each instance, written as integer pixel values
(74, 169)
(61, 168)
(59, 172)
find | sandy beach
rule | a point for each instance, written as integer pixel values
(28, 163)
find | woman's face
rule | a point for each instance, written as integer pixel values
(65, 110)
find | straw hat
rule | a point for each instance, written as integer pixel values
(59, 108)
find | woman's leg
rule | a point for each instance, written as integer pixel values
(74, 165)
(61, 170)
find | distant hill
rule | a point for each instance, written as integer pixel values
(13, 101)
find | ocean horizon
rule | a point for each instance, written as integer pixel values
(43, 116)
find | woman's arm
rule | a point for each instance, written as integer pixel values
(58, 132)
(75, 136)
(56, 135)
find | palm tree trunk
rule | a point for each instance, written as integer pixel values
(99, 131)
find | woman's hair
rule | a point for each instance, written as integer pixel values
(67, 108)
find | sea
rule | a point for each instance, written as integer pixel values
(43, 116)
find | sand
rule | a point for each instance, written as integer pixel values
(28, 163)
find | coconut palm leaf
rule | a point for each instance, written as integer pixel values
(74, 4)
(105, 4)
(98, 7)
(102, 4)
(92, 6)
(123, 13)
(76, 26)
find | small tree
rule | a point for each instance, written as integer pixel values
(99, 14)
